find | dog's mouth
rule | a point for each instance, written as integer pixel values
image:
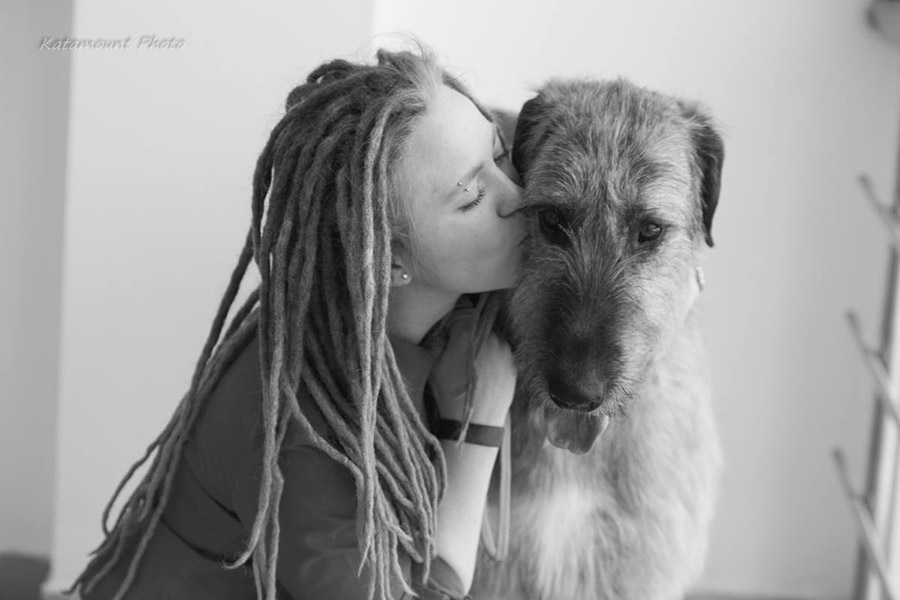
(584, 408)
(575, 431)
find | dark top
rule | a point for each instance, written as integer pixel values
(214, 498)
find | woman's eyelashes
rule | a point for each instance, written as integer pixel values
(478, 198)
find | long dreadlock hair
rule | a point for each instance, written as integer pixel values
(323, 246)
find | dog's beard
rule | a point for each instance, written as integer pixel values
(576, 431)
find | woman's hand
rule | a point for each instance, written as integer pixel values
(496, 374)
(469, 466)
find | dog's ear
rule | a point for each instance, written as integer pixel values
(709, 153)
(532, 128)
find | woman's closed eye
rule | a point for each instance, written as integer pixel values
(479, 196)
(502, 160)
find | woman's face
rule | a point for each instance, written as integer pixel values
(460, 192)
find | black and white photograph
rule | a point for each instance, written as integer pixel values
(472, 300)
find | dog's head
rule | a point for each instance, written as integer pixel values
(621, 185)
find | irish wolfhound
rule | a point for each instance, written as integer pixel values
(621, 184)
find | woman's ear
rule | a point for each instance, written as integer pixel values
(399, 275)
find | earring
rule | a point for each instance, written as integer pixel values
(403, 276)
(701, 279)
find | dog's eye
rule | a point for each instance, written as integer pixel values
(552, 226)
(550, 219)
(649, 232)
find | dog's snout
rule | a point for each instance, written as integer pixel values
(584, 395)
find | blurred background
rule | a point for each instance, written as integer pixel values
(125, 185)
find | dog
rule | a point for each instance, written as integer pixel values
(615, 454)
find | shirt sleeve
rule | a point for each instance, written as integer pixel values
(318, 557)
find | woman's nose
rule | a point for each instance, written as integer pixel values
(511, 200)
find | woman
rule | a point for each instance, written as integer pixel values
(303, 461)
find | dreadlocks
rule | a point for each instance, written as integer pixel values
(324, 216)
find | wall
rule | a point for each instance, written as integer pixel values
(34, 102)
(162, 147)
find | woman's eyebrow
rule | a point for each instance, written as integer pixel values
(469, 175)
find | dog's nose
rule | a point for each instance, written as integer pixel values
(584, 395)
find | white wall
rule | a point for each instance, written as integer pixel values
(162, 149)
(807, 97)
(34, 100)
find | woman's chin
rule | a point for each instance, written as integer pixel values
(506, 285)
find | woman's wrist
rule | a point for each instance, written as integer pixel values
(475, 433)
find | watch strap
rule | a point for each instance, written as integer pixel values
(482, 435)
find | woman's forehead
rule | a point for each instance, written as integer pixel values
(448, 141)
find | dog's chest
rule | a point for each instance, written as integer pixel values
(557, 525)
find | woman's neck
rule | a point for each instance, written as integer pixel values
(413, 310)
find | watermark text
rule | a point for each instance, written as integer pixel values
(142, 42)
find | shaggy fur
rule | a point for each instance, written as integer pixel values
(604, 323)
